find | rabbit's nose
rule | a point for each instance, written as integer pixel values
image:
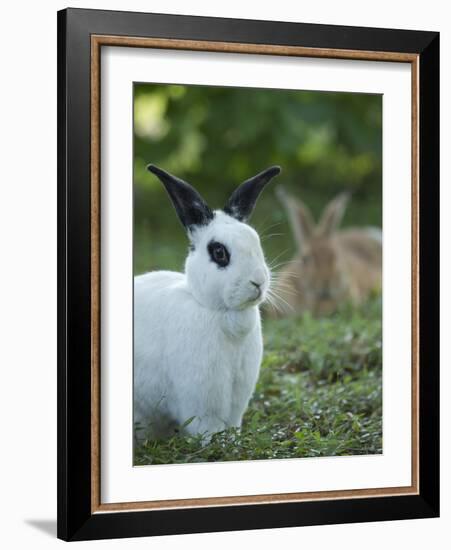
(257, 286)
(258, 278)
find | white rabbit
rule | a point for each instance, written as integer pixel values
(197, 335)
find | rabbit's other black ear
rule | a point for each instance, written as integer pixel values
(191, 208)
(243, 199)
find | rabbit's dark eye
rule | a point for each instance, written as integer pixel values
(218, 253)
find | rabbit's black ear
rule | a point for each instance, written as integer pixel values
(243, 199)
(191, 208)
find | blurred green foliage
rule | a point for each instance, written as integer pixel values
(216, 137)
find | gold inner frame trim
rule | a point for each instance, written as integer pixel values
(97, 41)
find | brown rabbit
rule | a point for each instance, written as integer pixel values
(332, 266)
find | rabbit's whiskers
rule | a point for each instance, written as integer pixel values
(277, 282)
(286, 289)
(281, 264)
(280, 274)
(277, 298)
(263, 231)
(273, 303)
(274, 260)
(266, 237)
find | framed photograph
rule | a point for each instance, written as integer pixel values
(248, 274)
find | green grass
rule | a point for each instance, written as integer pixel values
(319, 394)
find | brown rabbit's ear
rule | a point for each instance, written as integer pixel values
(333, 214)
(301, 219)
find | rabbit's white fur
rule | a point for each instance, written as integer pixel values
(197, 340)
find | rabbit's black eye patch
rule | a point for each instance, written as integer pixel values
(218, 253)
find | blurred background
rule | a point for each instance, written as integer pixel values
(216, 137)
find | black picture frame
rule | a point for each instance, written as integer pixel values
(76, 520)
